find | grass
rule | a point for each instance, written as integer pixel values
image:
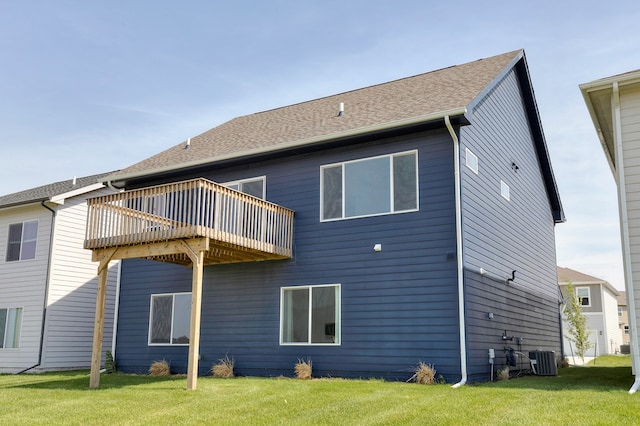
(578, 395)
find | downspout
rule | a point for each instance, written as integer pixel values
(115, 311)
(46, 290)
(624, 231)
(458, 201)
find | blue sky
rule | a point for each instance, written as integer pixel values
(90, 87)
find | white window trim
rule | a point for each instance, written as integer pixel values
(505, 191)
(338, 330)
(19, 331)
(20, 259)
(253, 179)
(391, 193)
(468, 153)
(588, 296)
(173, 302)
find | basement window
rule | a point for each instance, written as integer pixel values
(10, 325)
(170, 319)
(310, 315)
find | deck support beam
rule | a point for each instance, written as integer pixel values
(98, 325)
(196, 305)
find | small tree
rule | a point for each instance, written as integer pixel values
(578, 331)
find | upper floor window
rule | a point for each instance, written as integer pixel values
(10, 324)
(370, 186)
(619, 311)
(252, 186)
(22, 241)
(584, 296)
(471, 160)
(170, 319)
(310, 315)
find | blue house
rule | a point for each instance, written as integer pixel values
(369, 230)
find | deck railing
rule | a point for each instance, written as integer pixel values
(194, 208)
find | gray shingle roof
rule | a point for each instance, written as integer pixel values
(567, 275)
(46, 192)
(421, 97)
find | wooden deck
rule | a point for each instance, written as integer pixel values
(238, 227)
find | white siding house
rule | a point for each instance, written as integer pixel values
(614, 106)
(600, 307)
(48, 282)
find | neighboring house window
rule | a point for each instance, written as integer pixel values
(504, 191)
(584, 296)
(626, 329)
(310, 315)
(22, 241)
(170, 319)
(253, 186)
(619, 311)
(471, 160)
(10, 324)
(369, 187)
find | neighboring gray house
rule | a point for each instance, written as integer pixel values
(47, 280)
(623, 320)
(614, 106)
(599, 305)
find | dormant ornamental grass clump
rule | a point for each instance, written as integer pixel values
(503, 373)
(303, 369)
(160, 368)
(224, 368)
(424, 374)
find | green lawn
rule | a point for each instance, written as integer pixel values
(578, 395)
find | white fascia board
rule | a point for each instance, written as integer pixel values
(59, 199)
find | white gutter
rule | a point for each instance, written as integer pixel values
(461, 317)
(624, 231)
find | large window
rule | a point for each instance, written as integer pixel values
(371, 186)
(253, 186)
(10, 324)
(22, 241)
(170, 319)
(584, 296)
(310, 315)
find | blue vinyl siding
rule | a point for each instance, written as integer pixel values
(398, 306)
(501, 236)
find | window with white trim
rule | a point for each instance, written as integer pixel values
(626, 329)
(584, 296)
(369, 187)
(504, 191)
(252, 186)
(471, 160)
(21, 244)
(170, 319)
(10, 325)
(310, 315)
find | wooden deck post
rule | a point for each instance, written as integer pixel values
(196, 304)
(98, 325)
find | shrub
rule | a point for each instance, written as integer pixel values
(109, 363)
(424, 374)
(564, 363)
(303, 369)
(224, 368)
(159, 368)
(503, 373)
